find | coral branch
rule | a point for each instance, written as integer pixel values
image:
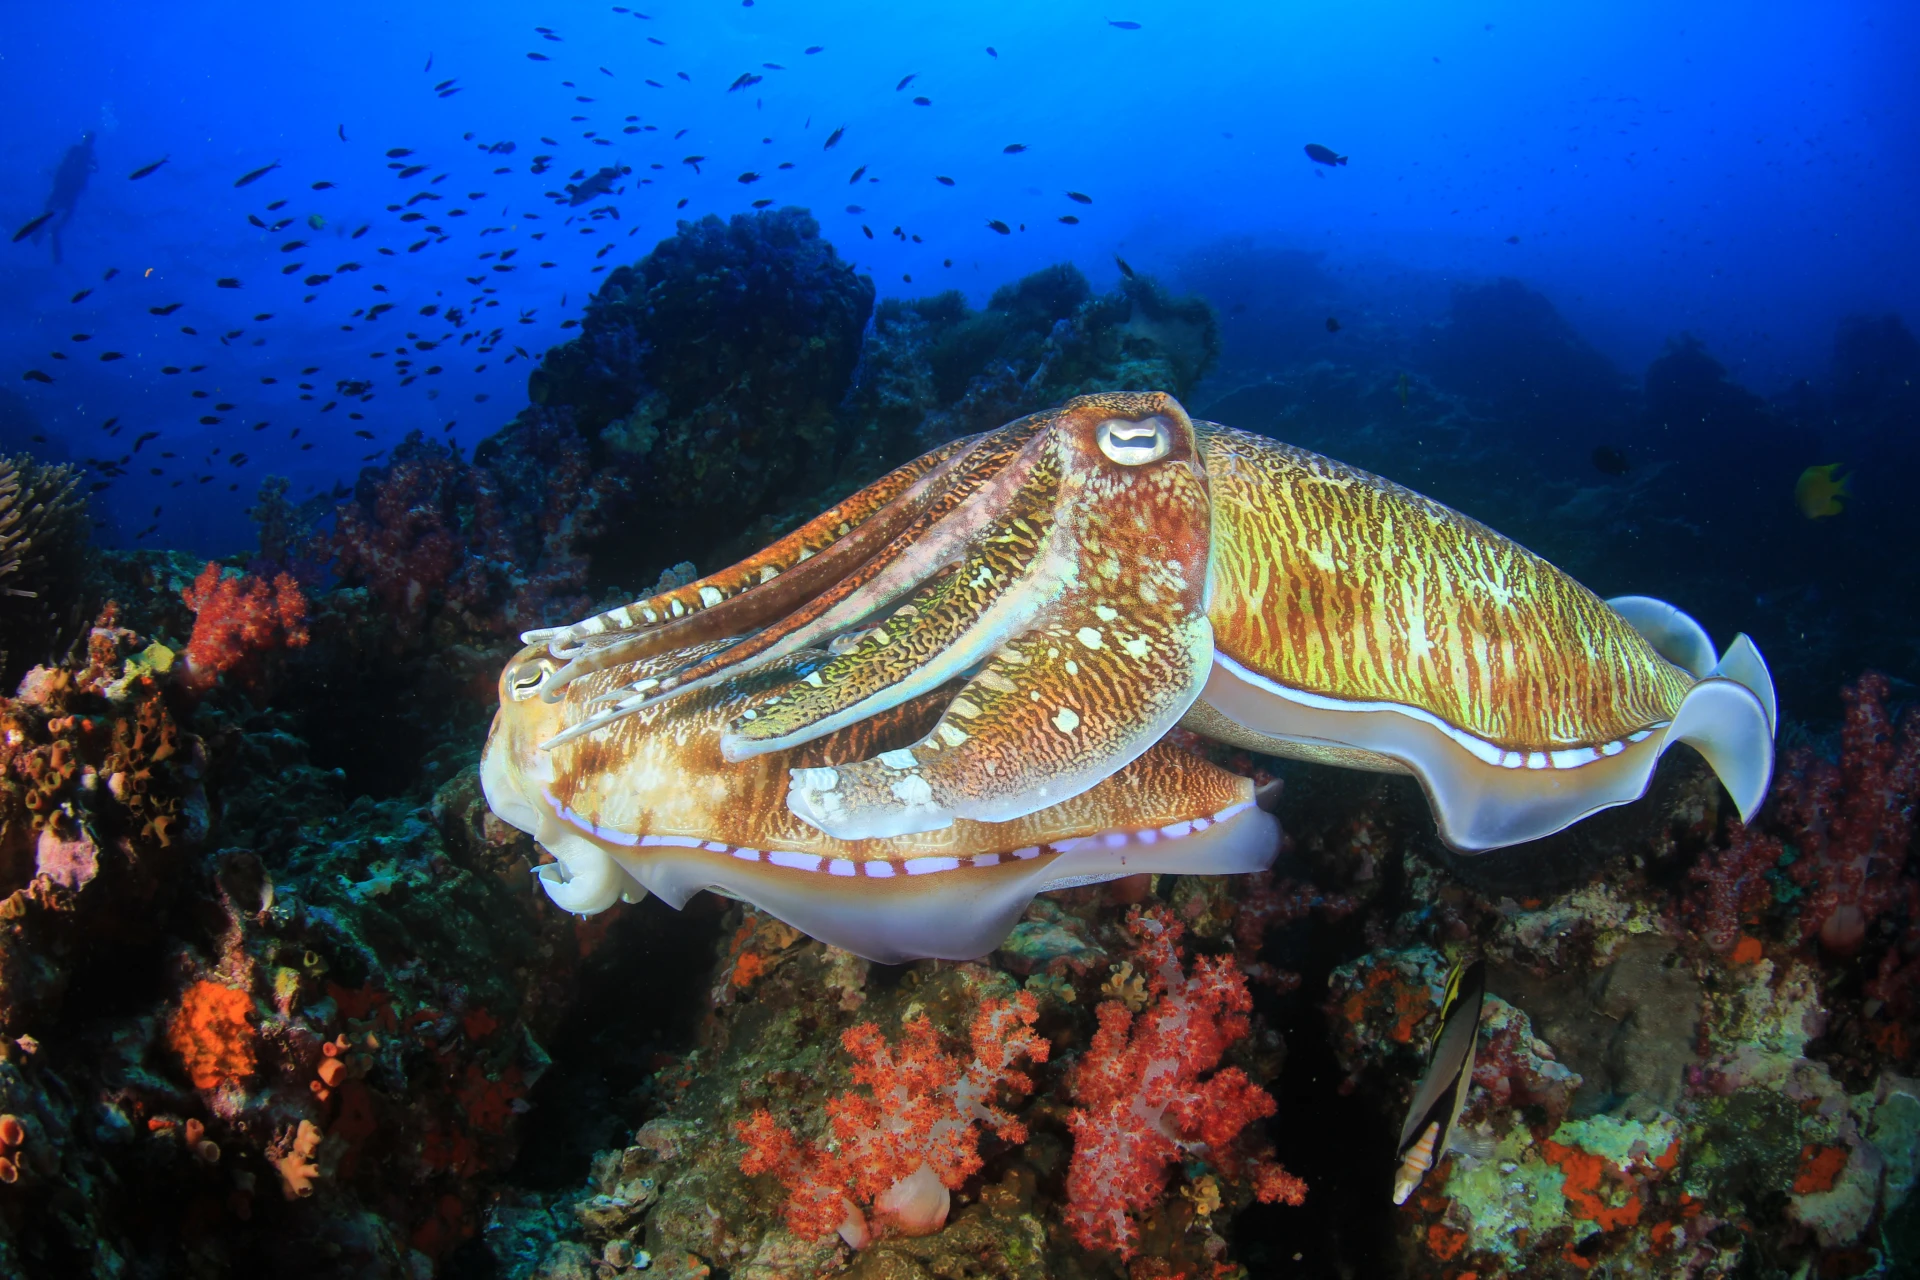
(239, 617)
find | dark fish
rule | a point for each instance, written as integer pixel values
(745, 178)
(413, 171)
(815, 48)
(992, 52)
(429, 65)
(904, 83)
(275, 205)
(1123, 25)
(923, 102)
(254, 218)
(1077, 198)
(539, 57)
(111, 273)
(343, 133)
(856, 175)
(1069, 219)
(1442, 1090)
(1513, 239)
(693, 161)
(167, 310)
(444, 84)
(1333, 325)
(291, 245)
(1013, 148)
(746, 78)
(397, 152)
(246, 179)
(106, 356)
(943, 179)
(773, 66)
(364, 435)
(227, 282)
(146, 169)
(834, 137)
(34, 375)
(856, 208)
(76, 297)
(1000, 226)
(1323, 155)
(1611, 461)
(323, 186)
(31, 227)
(1121, 263)
(143, 438)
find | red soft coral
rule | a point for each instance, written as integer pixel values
(913, 1137)
(236, 618)
(1143, 1104)
(1852, 821)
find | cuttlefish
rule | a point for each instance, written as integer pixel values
(1056, 595)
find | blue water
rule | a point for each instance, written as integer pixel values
(1745, 173)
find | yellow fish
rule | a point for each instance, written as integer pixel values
(1819, 492)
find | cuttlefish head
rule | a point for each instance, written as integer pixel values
(648, 803)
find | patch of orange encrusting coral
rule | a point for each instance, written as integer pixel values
(211, 1033)
(1583, 1187)
(1819, 1169)
(1409, 1004)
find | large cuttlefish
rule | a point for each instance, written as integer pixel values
(962, 674)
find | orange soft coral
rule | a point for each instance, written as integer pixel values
(237, 617)
(212, 1035)
(901, 1147)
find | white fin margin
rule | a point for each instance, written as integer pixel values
(1674, 635)
(1726, 722)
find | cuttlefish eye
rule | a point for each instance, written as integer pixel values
(1134, 443)
(525, 679)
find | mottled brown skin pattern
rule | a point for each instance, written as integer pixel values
(659, 772)
(1113, 661)
(1333, 581)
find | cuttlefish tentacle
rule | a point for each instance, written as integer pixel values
(980, 482)
(1097, 647)
(757, 590)
(949, 625)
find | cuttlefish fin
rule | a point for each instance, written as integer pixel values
(1673, 634)
(1075, 698)
(949, 626)
(1442, 1091)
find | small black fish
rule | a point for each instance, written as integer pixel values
(167, 310)
(856, 175)
(78, 296)
(1000, 226)
(992, 52)
(814, 48)
(31, 227)
(904, 83)
(34, 375)
(1077, 198)
(106, 356)
(1013, 148)
(364, 435)
(923, 102)
(413, 171)
(1069, 219)
(275, 205)
(539, 57)
(323, 186)
(111, 273)
(254, 218)
(1323, 155)
(747, 177)
(1123, 25)
(143, 438)
(146, 169)
(1611, 461)
(291, 245)
(1333, 325)
(834, 137)
(343, 133)
(856, 208)
(1513, 239)
(247, 179)
(1121, 263)
(444, 84)
(746, 78)
(227, 282)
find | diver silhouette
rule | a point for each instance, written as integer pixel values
(69, 180)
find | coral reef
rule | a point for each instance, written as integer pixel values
(240, 618)
(43, 538)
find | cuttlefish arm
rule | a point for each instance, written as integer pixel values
(1084, 629)
(647, 804)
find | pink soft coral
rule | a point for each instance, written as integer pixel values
(235, 618)
(901, 1147)
(1143, 1104)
